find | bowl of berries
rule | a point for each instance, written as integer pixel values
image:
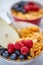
(22, 49)
(27, 11)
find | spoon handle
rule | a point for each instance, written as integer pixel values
(14, 25)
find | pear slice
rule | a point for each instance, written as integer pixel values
(7, 34)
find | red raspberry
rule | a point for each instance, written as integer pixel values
(23, 42)
(11, 48)
(26, 7)
(28, 43)
(31, 3)
(31, 7)
(11, 45)
(18, 45)
(35, 8)
(24, 50)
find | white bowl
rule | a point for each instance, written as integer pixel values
(19, 26)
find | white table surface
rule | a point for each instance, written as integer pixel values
(4, 6)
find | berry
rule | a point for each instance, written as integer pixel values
(10, 51)
(11, 48)
(2, 50)
(21, 57)
(5, 54)
(30, 7)
(26, 56)
(24, 50)
(13, 56)
(21, 10)
(26, 8)
(15, 6)
(22, 3)
(18, 45)
(35, 8)
(31, 3)
(10, 45)
(17, 52)
(23, 42)
(28, 43)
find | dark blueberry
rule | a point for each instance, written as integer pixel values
(5, 54)
(13, 56)
(26, 56)
(2, 50)
(21, 10)
(22, 3)
(21, 57)
(15, 6)
(17, 52)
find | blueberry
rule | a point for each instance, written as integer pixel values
(13, 56)
(5, 54)
(22, 3)
(21, 10)
(26, 56)
(15, 6)
(17, 52)
(2, 50)
(21, 57)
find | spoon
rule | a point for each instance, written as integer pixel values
(14, 26)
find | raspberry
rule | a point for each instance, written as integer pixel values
(31, 3)
(10, 45)
(23, 42)
(28, 43)
(11, 48)
(24, 50)
(30, 7)
(18, 45)
(26, 7)
(35, 8)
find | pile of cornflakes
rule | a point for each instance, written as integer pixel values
(36, 35)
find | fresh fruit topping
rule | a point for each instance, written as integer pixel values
(26, 8)
(2, 50)
(17, 52)
(26, 56)
(13, 56)
(21, 10)
(29, 44)
(11, 48)
(30, 7)
(35, 8)
(21, 57)
(15, 6)
(30, 3)
(5, 54)
(18, 45)
(29, 54)
(24, 50)
(11, 45)
(23, 42)
(22, 3)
